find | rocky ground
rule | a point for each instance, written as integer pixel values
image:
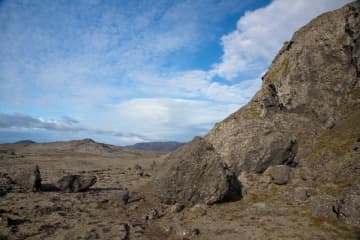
(99, 212)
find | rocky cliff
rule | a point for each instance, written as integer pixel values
(305, 119)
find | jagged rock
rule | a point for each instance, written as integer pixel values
(349, 205)
(195, 174)
(75, 183)
(6, 184)
(177, 208)
(139, 170)
(29, 179)
(279, 174)
(325, 206)
(153, 214)
(124, 231)
(301, 194)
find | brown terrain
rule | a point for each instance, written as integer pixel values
(285, 166)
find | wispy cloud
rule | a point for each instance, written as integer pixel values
(21, 122)
(129, 65)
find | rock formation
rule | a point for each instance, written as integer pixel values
(29, 179)
(196, 163)
(305, 116)
(6, 184)
(75, 183)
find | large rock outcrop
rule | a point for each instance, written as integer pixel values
(312, 85)
(197, 163)
(75, 183)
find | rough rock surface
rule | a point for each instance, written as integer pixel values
(75, 183)
(28, 179)
(304, 115)
(349, 205)
(197, 163)
(279, 174)
(6, 184)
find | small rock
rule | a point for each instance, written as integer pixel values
(324, 206)
(280, 174)
(75, 183)
(349, 205)
(6, 184)
(91, 235)
(139, 170)
(195, 232)
(125, 196)
(301, 194)
(152, 215)
(124, 231)
(177, 208)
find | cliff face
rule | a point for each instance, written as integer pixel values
(306, 117)
(311, 80)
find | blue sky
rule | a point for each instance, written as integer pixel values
(122, 72)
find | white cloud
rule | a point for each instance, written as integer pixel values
(260, 34)
(164, 118)
(110, 74)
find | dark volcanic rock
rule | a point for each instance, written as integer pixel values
(75, 183)
(198, 175)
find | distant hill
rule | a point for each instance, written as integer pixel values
(157, 146)
(25, 142)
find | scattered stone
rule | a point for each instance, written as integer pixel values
(349, 205)
(6, 184)
(280, 174)
(137, 230)
(195, 232)
(152, 215)
(37, 182)
(199, 210)
(28, 180)
(325, 206)
(177, 208)
(124, 231)
(184, 233)
(125, 196)
(75, 183)
(139, 170)
(16, 221)
(301, 194)
(92, 235)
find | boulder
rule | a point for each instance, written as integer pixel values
(194, 174)
(6, 184)
(349, 205)
(325, 206)
(28, 179)
(279, 174)
(75, 183)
